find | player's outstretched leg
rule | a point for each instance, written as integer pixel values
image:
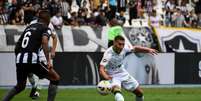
(14, 91)
(33, 79)
(116, 90)
(54, 81)
(139, 94)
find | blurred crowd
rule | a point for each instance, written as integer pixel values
(175, 13)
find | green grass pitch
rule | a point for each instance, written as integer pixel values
(90, 94)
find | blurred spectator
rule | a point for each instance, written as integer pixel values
(54, 7)
(6, 5)
(104, 5)
(170, 6)
(149, 7)
(132, 5)
(197, 6)
(82, 16)
(85, 4)
(3, 15)
(121, 19)
(74, 19)
(191, 19)
(183, 7)
(139, 7)
(113, 8)
(101, 19)
(18, 18)
(74, 6)
(36, 5)
(155, 20)
(78, 2)
(95, 4)
(199, 20)
(91, 21)
(121, 5)
(11, 10)
(57, 21)
(178, 19)
(65, 8)
(97, 12)
(45, 4)
(29, 12)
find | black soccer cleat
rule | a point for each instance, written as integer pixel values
(34, 94)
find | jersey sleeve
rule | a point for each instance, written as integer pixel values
(52, 28)
(47, 32)
(128, 48)
(105, 59)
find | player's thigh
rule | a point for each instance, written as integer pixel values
(130, 83)
(116, 82)
(40, 70)
(53, 75)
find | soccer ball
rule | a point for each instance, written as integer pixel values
(104, 87)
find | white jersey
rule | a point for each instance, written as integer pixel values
(115, 66)
(113, 62)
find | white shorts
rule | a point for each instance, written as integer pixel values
(127, 82)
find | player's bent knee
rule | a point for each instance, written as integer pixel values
(53, 75)
(138, 93)
(116, 89)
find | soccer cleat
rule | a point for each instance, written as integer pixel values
(34, 94)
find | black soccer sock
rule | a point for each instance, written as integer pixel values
(33, 91)
(52, 90)
(10, 94)
(139, 98)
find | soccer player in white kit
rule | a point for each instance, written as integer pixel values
(112, 68)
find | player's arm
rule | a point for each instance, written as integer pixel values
(46, 50)
(103, 73)
(54, 39)
(54, 45)
(144, 50)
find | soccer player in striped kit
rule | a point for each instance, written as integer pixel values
(34, 38)
(33, 79)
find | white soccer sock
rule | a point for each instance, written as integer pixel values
(33, 79)
(139, 98)
(119, 97)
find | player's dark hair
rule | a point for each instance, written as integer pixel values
(119, 37)
(44, 16)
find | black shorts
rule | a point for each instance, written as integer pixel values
(23, 70)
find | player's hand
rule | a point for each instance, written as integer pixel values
(49, 65)
(108, 77)
(52, 54)
(153, 51)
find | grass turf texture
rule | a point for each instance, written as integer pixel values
(90, 94)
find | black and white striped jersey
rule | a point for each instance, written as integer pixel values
(29, 43)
